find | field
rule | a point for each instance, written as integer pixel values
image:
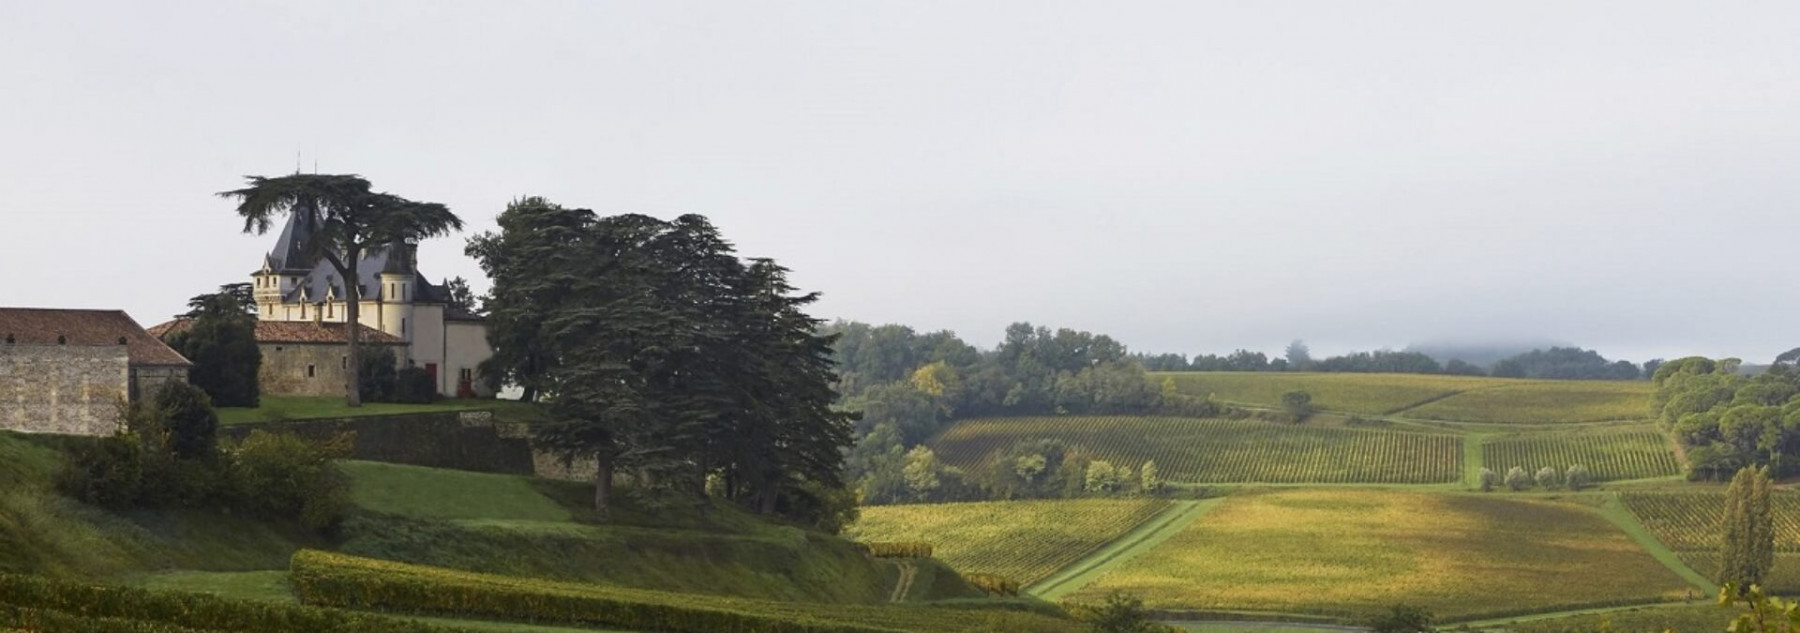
(1544, 402)
(1705, 617)
(1609, 455)
(1353, 552)
(1024, 541)
(1447, 398)
(1222, 451)
(1367, 394)
(1688, 520)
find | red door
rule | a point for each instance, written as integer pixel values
(431, 368)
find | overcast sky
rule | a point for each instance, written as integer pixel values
(1186, 176)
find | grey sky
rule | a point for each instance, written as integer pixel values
(1186, 176)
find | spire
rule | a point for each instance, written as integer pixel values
(290, 249)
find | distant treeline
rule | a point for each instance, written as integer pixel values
(905, 386)
(1567, 363)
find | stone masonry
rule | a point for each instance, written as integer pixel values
(67, 389)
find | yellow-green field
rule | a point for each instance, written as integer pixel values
(1220, 451)
(1021, 540)
(1447, 398)
(1688, 520)
(1544, 402)
(1609, 454)
(1368, 394)
(1350, 552)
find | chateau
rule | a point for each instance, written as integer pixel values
(412, 313)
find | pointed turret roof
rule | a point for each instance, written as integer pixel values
(289, 255)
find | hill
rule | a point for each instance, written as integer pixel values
(1431, 397)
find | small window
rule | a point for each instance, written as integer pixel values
(10, 340)
(403, 327)
(309, 371)
(343, 362)
(122, 340)
(62, 340)
(277, 348)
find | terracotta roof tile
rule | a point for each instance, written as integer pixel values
(296, 332)
(38, 326)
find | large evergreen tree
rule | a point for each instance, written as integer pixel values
(221, 341)
(659, 352)
(344, 220)
(1747, 548)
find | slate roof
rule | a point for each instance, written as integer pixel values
(293, 332)
(41, 326)
(319, 277)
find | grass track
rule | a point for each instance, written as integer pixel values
(1024, 541)
(1146, 537)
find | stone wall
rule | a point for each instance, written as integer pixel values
(146, 381)
(66, 389)
(304, 369)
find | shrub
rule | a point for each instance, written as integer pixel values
(186, 414)
(1548, 478)
(1403, 619)
(1102, 477)
(1298, 404)
(281, 476)
(1489, 480)
(1120, 613)
(1149, 480)
(379, 374)
(1578, 477)
(414, 385)
(108, 471)
(993, 584)
(899, 550)
(1516, 479)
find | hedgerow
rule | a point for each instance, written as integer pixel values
(328, 579)
(46, 606)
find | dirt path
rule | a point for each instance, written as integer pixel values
(903, 585)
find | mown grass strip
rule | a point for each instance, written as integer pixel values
(1615, 511)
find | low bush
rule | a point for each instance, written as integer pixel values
(44, 606)
(993, 585)
(899, 550)
(281, 476)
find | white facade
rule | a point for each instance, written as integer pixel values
(449, 346)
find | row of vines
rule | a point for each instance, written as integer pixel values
(1221, 451)
(1608, 456)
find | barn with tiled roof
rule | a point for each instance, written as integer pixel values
(66, 371)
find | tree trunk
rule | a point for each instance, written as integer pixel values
(603, 481)
(769, 495)
(353, 334)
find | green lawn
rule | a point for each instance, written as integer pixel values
(281, 408)
(439, 494)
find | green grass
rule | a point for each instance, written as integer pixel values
(1609, 454)
(1021, 540)
(42, 532)
(1349, 553)
(281, 408)
(1544, 402)
(431, 493)
(1220, 451)
(1688, 522)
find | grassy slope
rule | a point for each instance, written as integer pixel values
(1705, 617)
(44, 533)
(1021, 540)
(527, 527)
(1461, 555)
